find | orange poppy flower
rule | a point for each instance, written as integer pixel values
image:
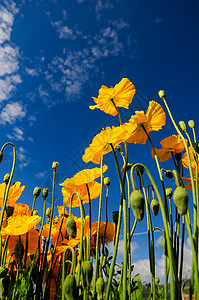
(21, 209)
(122, 95)
(13, 194)
(101, 143)
(172, 144)
(55, 230)
(153, 120)
(185, 159)
(20, 224)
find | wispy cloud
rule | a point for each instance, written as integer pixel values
(17, 134)
(11, 112)
(41, 175)
(31, 72)
(22, 157)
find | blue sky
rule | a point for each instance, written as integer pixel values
(54, 57)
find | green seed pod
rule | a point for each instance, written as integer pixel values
(55, 165)
(191, 124)
(6, 178)
(181, 199)
(182, 125)
(37, 191)
(3, 271)
(69, 287)
(71, 227)
(161, 94)
(169, 192)
(164, 246)
(196, 147)
(45, 193)
(155, 206)
(137, 203)
(100, 287)
(106, 181)
(19, 248)
(87, 273)
(115, 216)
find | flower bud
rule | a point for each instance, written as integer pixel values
(71, 227)
(37, 191)
(169, 192)
(168, 174)
(137, 203)
(6, 178)
(181, 199)
(115, 216)
(69, 287)
(1, 156)
(196, 147)
(155, 206)
(87, 273)
(164, 245)
(106, 181)
(45, 193)
(48, 212)
(19, 248)
(55, 165)
(182, 126)
(191, 124)
(100, 287)
(139, 170)
(35, 213)
(157, 280)
(161, 94)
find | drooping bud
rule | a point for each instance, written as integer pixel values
(87, 273)
(19, 249)
(115, 216)
(45, 193)
(182, 125)
(6, 178)
(191, 124)
(137, 203)
(71, 227)
(69, 287)
(169, 192)
(55, 165)
(181, 199)
(168, 174)
(1, 156)
(155, 206)
(161, 94)
(139, 170)
(106, 181)
(100, 288)
(36, 191)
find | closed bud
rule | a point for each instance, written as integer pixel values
(69, 287)
(55, 165)
(71, 227)
(196, 147)
(164, 245)
(161, 94)
(106, 181)
(169, 192)
(181, 199)
(191, 124)
(157, 280)
(1, 156)
(6, 178)
(45, 193)
(137, 203)
(100, 287)
(35, 213)
(155, 206)
(139, 170)
(36, 191)
(182, 125)
(115, 216)
(168, 174)
(48, 212)
(87, 273)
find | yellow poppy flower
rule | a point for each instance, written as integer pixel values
(20, 224)
(122, 95)
(83, 177)
(55, 230)
(13, 194)
(94, 190)
(101, 143)
(172, 144)
(153, 120)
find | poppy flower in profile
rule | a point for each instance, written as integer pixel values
(185, 158)
(172, 144)
(153, 120)
(101, 143)
(13, 194)
(122, 95)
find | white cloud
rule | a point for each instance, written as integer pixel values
(22, 157)
(8, 85)
(11, 112)
(8, 60)
(17, 134)
(32, 72)
(102, 5)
